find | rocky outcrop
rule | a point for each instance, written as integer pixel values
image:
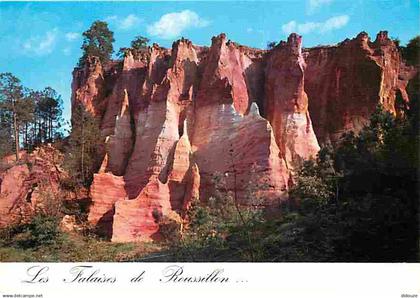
(224, 80)
(13, 193)
(105, 190)
(225, 141)
(286, 102)
(88, 87)
(31, 185)
(241, 150)
(346, 82)
(120, 143)
(139, 219)
(159, 125)
(174, 120)
(156, 174)
(124, 90)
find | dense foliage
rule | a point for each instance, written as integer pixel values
(221, 228)
(357, 202)
(28, 118)
(97, 41)
(271, 45)
(138, 45)
(411, 52)
(83, 151)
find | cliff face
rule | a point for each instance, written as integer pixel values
(346, 82)
(33, 184)
(174, 120)
(286, 102)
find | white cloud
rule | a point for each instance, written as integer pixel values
(41, 45)
(171, 25)
(67, 51)
(111, 18)
(125, 23)
(314, 5)
(335, 23)
(289, 27)
(70, 36)
(317, 27)
(128, 22)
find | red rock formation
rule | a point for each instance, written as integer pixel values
(346, 82)
(225, 75)
(150, 165)
(224, 141)
(12, 192)
(120, 143)
(31, 185)
(174, 119)
(286, 103)
(242, 149)
(106, 189)
(126, 92)
(158, 125)
(139, 219)
(88, 85)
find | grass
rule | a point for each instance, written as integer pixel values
(77, 248)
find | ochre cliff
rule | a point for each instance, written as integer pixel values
(33, 184)
(346, 82)
(286, 102)
(173, 120)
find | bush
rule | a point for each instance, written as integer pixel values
(369, 197)
(43, 230)
(221, 229)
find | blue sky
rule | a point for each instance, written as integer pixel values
(40, 41)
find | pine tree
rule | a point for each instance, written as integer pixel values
(411, 52)
(97, 41)
(50, 110)
(84, 143)
(138, 45)
(13, 105)
(27, 116)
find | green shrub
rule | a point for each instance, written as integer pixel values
(221, 229)
(43, 230)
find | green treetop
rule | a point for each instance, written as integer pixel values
(97, 41)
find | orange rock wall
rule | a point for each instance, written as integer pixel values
(346, 82)
(173, 119)
(31, 185)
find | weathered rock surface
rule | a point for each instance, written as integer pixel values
(13, 192)
(286, 102)
(175, 119)
(69, 224)
(346, 82)
(227, 142)
(105, 190)
(32, 185)
(88, 87)
(120, 143)
(158, 200)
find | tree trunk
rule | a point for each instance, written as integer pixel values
(16, 129)
(83, 148)
(34, 130)
(51, 130)
(26, 136)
